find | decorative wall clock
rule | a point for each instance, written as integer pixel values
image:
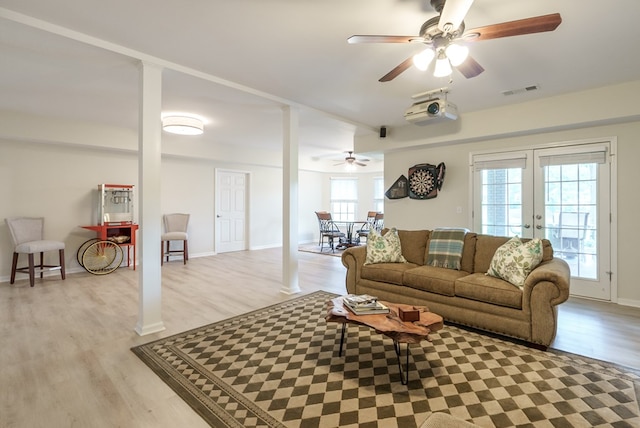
(425, 180)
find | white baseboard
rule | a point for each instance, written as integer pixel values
(629, 302)
(265, 247)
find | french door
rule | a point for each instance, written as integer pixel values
(558, 193)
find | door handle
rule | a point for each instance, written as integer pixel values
(218, 216)
(526, 226)
(538, 226)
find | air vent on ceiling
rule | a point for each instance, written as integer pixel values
(521, 90)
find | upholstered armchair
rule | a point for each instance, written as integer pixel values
(175, 227)
(27, 234)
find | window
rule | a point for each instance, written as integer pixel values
(344, 198)
(378, 194)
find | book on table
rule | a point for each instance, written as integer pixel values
(364, 304)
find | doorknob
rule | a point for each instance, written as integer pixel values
(526, 226)
(538, 226)
(218, 216)
(538, 217)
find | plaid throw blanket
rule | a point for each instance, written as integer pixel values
(445, 248)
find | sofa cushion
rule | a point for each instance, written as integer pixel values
(433, 279)
(468, 252)
(391, 273)
(414, 243)
(384, 249)
(488, 289)
(514, 260)
(486, 246)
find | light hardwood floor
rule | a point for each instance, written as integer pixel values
(65, 359)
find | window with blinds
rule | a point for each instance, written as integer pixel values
(499, 178)
(344, 198)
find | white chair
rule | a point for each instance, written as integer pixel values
(175, 227)
(27, 234)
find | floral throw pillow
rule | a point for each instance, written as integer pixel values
(514, 260)
(384, 249)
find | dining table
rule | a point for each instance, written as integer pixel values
(349, 226)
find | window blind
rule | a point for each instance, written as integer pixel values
(599, 156)
(500, 161)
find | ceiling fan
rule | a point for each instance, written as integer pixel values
(442, 35)
(351, 160)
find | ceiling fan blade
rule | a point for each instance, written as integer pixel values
(537, 24)
(339, 163)
(470, 68)
(453, 14)
(404, 65)
(360, 163)
(384, 39)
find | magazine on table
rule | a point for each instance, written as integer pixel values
(364, 304)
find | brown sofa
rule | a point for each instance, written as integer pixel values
(467, 296)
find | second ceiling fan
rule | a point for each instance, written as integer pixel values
(351, 160)
(442, 35)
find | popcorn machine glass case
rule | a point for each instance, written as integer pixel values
(115, 205)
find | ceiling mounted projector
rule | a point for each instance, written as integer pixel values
(431, 111)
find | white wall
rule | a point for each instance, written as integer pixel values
(311, 199)
(187, 187)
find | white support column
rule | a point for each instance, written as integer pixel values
(149, 159)
(290, 201)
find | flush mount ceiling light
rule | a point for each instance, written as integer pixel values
(183, 125)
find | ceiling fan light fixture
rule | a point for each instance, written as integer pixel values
(182, 125)
(423, 59)
(443, 67)
(457, 54)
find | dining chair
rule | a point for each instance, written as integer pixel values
(378, 222)
(328, 230)
(27, 234)
(363, 232)
(175, 228)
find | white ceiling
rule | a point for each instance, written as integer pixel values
(78, 60)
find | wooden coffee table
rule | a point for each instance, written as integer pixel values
(389, 325)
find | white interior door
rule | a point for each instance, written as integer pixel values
(561, 194)
(231, 210)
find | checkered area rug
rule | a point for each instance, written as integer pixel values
(279, 367)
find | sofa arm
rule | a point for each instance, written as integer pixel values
(544, 289)
(353, 259)
(555, 271)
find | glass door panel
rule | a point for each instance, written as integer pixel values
(574, 194)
